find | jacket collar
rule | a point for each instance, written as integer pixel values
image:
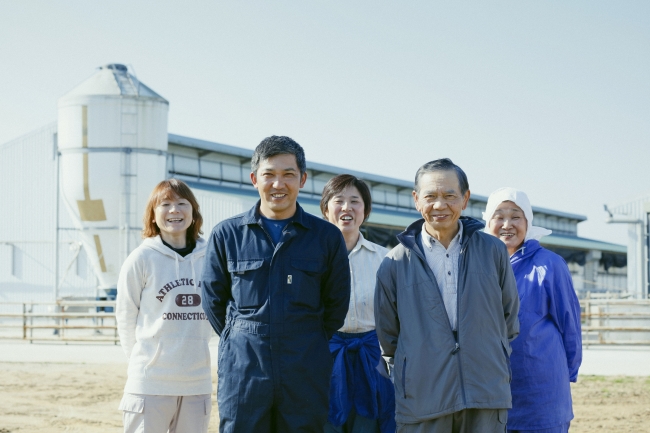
(408, 236)
(427, 239)
(365, 243)
(527, 249)
(253, 216)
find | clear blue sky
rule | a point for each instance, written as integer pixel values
(549, 97)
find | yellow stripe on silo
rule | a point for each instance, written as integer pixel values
(89, 210)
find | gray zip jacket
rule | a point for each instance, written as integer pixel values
(434, 373)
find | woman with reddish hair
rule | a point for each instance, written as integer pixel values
(163, 329)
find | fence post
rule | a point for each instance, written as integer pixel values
(62, 323)
(59, 320)
(607, 313)
(587, 316)
(31, 324)
(24, 321)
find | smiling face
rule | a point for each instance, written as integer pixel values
(509, 224)
(440, 203)
(173, 216)
(278, 181)
(346, 210)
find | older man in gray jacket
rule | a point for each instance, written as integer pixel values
(446, 308)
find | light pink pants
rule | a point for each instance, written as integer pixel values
(166, 414)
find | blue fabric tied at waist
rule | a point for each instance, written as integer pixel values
(356, 381)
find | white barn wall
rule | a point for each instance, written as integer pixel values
(27, 165)
(217, 207)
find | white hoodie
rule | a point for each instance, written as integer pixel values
(163, 329)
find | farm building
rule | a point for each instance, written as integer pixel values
(635, 213)
(78, 189)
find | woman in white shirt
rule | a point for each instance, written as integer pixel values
(361, 400)
(163, 329)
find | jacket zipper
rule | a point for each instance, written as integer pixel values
(456, 351)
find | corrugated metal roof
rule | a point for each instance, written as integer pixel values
(581, 244)
(373, 178)
(209, 145)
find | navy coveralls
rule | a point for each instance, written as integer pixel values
(275, 309)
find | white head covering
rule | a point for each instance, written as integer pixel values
(520, 199)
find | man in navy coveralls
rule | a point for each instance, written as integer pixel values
(276, 285)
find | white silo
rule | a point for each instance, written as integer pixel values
(112, 139)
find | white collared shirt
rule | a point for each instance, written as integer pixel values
(444, 264)
(365, 259)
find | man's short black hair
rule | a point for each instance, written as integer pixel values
(443, 164)
(278, 145)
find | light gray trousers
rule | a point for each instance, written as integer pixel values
(165, 413)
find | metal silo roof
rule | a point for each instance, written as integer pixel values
(113, 79)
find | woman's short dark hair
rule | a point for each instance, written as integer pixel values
(166, 190)
(338, 183)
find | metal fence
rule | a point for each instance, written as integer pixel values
(65, 320)
(615, 321)
(604, 321)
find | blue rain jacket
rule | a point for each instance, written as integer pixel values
(548, 352)
(357, 383)
(275, 308)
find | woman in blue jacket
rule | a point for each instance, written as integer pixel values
(548, 352)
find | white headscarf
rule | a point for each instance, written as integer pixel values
(520, 199)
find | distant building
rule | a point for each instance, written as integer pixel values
(220, 172)
(635, 212)
(111, 147)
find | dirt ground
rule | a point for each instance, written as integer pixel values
(611, 404)
(56, 398)
(84, 398)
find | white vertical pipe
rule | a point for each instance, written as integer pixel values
(56, 219)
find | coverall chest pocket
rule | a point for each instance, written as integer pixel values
(304, 282)
(249, 287)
